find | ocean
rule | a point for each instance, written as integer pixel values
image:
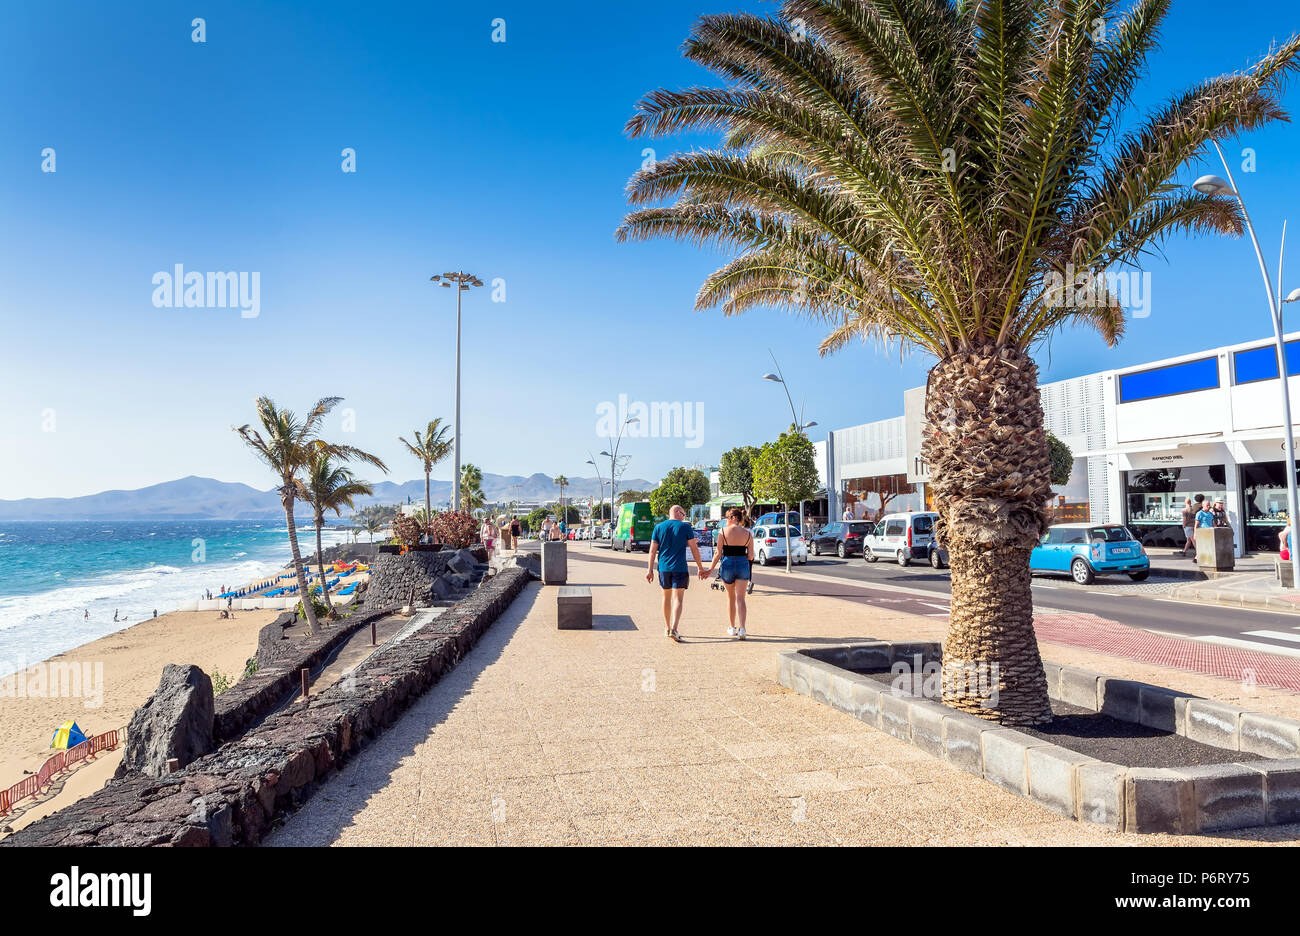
(51, 574)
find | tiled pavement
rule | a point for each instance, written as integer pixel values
(619, 736)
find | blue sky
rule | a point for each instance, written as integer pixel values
(505, 159)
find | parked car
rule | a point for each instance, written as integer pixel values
(635, 525)
(769, 545)
(901, 537)
(843, 537)
(1086, 550)
(773, 519)
(938, 556)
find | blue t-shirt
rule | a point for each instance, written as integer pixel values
(1204, 518)
(672, 537)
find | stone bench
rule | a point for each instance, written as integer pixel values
(573, 607)
(1285, 572)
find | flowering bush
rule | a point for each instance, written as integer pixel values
(455, 529)
(407, 530)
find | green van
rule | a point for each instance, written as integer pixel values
(635, 524)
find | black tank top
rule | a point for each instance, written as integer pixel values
(729, 550)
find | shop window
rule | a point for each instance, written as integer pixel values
(1264, 494)
(1155, 498)
(1169, 381)
(1257, 364)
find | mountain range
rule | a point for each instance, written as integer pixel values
(196, 498)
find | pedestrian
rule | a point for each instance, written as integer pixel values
(564, 528)
(115, 615)
(668, 544)
(1205, 516)
(489, 534)
(546, 529)
(1284, 543)
(734, 552)
(155, 612)
(1220, 514)
(516, 530)
(848, 512)
(86, 616)
(1189, 526)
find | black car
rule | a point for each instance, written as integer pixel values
(843, 537)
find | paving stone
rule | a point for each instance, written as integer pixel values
(1269, 735)
(1120, 698)
(1158, 708)
(1213, 723)
(1158, 800)
(1053, 673)
(866, 702)
(927, 725)
(842, 685)
(1079, 687)
(894, 716)
(1099, 794)
(1281, 790)
(961, 741)
(1226, 796)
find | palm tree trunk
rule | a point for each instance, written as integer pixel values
(320, 563)
(286, 498)
(428, 501)
(991, 478)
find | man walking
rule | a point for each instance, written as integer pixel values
(668, 544)
(1189, 526)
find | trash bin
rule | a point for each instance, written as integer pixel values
(555, 562)
(1214, 549)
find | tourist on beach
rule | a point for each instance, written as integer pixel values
(1189, 526)
(86, 616)
(734, 551)
(668, 543)
(155, 612)
(115, 615)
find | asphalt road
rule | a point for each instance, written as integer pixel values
(918, 589)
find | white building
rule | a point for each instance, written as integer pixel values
(1144, 438)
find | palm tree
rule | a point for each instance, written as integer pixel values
(471, 487)
(431, 448)
(932, 172)
(330, 486)
(286, 444)
(372, 526)
(562, 482)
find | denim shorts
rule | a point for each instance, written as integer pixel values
(669, 580)
(734, 567)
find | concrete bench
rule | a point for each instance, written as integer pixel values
(573, 607)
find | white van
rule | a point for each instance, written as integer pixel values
(901, 537)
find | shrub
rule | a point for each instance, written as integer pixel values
(250, 667)
(220, 682)
(316, 605)
(456, 529)
(407, 530)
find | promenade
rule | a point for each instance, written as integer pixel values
(619, 736)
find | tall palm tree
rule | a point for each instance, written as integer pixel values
(372, 526)
(330, 486)
(431, 448)
(286, 443)
(931, 172)
(561, 482)
(471, 487)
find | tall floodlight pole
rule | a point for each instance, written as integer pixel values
(462, 281)
(613, 458)
(1213, 185)
(601, 481)
(800, 426)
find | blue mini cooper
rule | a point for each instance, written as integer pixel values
(1086, 550)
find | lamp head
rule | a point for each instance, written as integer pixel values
(773, 378)
(1212, 185)
(1293, 296)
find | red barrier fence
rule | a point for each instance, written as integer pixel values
(35, 783)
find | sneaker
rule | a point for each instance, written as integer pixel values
(741, 633)
(731, 632)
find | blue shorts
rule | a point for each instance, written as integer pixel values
(669, 580)
(734, 567)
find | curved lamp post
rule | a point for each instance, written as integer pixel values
(800, 427)
(601, 481)
(613, 459)
(463, 282)
(1213, 185)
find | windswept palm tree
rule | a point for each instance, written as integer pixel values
(286, 444)
(373, 525)
(561, 482)
(933, 172)
(471, 487)
(330, 486)
(431, 448)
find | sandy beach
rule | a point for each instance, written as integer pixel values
(114, 676)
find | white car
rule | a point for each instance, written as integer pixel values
(769, 546)
(901, 537)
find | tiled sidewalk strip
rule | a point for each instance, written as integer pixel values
(1242, 591)
(1090, 632)
(1127, 799)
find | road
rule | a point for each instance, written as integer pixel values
(918, 589)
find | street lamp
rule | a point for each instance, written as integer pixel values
(601, 481)
(463, 282)
(800, 427)
(613, 459)
(1213, 185)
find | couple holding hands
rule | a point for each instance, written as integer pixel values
(733, 552)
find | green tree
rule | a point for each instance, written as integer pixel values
(633, 497)
(471, 488)
(736, 474)
(430, 448)
(330, 486)
(1062, 459)
(684, 486)
(934, 172)
(285, 444)
(785, 471)
(561, 482)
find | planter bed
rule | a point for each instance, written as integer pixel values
(1127, 755)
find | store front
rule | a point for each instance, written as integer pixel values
(1264, 507)
(1155, 497)
(864, 497)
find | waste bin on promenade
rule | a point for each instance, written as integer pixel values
(555, 562)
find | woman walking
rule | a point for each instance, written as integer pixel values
(516, 530)
(489, 534)
(734, 551)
